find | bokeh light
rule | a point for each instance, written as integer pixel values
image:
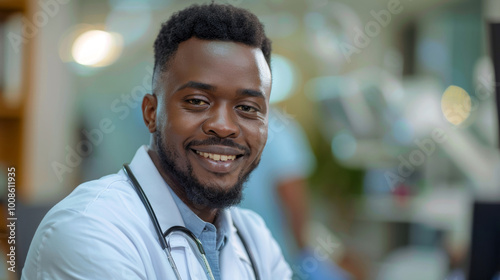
(344, 145)
(96, 48)
(456, 105)
(285, 78)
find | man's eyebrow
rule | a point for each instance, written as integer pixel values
(251, 93)
(196, 85)
(203, 86)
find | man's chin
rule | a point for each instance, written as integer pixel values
(222, 195)
(217, 183)
(214, 192)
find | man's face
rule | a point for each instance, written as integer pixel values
(212, 118)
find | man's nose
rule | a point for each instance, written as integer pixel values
(222, 122)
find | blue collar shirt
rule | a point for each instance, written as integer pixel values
(212, 237)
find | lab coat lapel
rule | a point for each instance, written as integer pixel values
(156, 190)
(160, 198)
(234, 259)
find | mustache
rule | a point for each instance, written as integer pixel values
(219, 141)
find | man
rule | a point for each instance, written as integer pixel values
(208, 119)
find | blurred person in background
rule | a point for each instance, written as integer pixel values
(208, 117)
(278, 191)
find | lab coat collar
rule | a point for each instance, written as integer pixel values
(156, 189)
(237, 246)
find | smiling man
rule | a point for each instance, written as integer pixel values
(207, 116)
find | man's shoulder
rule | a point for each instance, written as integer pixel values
(98, 214)
(91, 190)
(91, 227)
(102, 198)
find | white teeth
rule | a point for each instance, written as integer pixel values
(217, 157)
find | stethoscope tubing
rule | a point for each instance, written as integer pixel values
(188, 233)
(153, 218)
(146, 203)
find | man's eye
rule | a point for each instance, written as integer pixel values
(246, 108)
(196, 102)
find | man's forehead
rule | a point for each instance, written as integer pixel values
(200, 49)
(217, 48)
(196, 56)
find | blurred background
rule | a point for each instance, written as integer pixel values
(395, 100)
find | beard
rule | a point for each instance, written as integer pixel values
(199, 194)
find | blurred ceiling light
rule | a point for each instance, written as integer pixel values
(456, 105)
(285, 78)
(96, 48)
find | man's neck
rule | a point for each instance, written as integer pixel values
(205, 213)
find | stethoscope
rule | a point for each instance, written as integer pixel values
(193, 241)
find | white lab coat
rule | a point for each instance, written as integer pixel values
(102, 231)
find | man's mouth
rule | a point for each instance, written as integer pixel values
(217, 157)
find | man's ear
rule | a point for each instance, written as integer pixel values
(149, 106)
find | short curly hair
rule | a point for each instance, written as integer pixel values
(209, 22)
